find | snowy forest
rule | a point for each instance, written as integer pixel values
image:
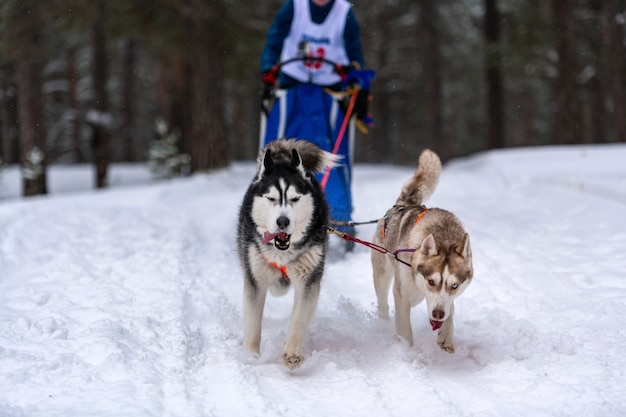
(87, 81)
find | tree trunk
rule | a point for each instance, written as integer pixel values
(378, 144)
(431, 78)
(128, 95)
(567, 120)
(181, 97)
(172, 97)
(72, 77)
(595, 131)
(616, 72)
(30, 99)
(495, 102)
(100, 119)
(3, 128)
(10, 115)
(209, 148)
(527, 116)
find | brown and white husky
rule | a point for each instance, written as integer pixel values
(441, 265)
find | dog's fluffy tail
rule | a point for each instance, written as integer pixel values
(422, 185)
(313, 158)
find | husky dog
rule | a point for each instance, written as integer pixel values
(282, 239)
(440, 265)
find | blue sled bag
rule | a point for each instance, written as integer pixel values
(308, 111)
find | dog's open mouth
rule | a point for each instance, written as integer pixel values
(436, 324)
(281, 239)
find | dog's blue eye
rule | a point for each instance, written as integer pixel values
(455, 286)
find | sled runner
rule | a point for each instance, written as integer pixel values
(324, 117)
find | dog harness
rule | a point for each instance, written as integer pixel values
(281, 268)
(384, 225)
(284, 280)
(420, 216)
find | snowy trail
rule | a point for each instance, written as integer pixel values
(128, 301)
(91, 274)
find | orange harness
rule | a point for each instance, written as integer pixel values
(382, 230)
(281, 268)
(284, 280)
(420, 216)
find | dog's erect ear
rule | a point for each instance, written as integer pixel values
(295, 158)
(296, 161)
(429, 248)
(268, 162)
(467, 250)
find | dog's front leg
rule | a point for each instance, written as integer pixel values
(305, 301)
(403, 312)
(253, 304)
(445, 338)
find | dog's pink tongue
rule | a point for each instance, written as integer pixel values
(267, 236)
(436, 324)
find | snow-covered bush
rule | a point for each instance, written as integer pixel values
(164, 158)
(33, 166)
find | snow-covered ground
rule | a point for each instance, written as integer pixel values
(127, 302)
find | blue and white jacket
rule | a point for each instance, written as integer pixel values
(331, 31)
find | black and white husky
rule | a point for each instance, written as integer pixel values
(282, 239)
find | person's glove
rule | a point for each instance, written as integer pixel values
(361, 107)
(270, 76)
(344, 70)
(362, 78)
(361, 104)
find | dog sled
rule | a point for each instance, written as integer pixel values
(326, 118)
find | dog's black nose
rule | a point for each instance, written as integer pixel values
(282, 222)
(438, 314)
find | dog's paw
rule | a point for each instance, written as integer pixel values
(447, 348)
(253, 349)
(292, 361)
(445, 343)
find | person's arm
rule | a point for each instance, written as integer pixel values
(352, 39)
(276, 36)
